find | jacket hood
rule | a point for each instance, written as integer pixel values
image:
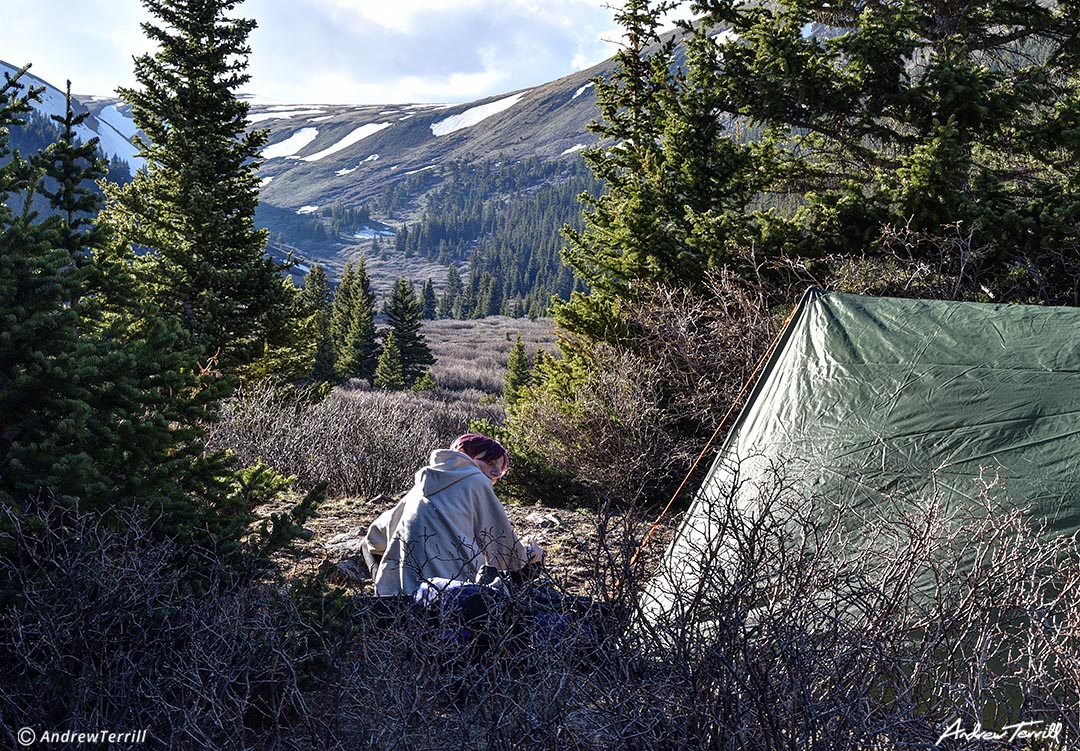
(446, 468)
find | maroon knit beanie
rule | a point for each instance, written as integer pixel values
(482, 447)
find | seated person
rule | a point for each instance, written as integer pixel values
(450, 525)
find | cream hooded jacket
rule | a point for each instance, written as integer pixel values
(449, 526)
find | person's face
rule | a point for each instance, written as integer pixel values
(492, 469)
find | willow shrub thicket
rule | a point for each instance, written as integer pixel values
(810, 641)
(361, 443)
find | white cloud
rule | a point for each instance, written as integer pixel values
(335, 51)
(422, 50)
(579, 62)
(403, 16)
(90, 42)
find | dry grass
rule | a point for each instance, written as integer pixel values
(472, 354)
(359, 442)
(384, 266)
(364, 443)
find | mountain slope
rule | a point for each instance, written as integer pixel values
(323, 154)
(108, 121)
(384, 163)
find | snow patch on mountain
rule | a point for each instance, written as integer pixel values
(725, 36)
(111, 137)
(422, 169)
(474, 115)
(115, 143)
(581, 91)
(350, 170)
(369, 233)
(258, 117)
(121, 123)
(572, 149)
(358, 134)
(292, 144)
(307, 210)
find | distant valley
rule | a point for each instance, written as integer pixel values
(416, 188)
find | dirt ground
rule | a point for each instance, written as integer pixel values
(570, 539)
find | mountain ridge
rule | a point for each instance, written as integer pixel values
(107, 122)
(547, 121)
(384, 161)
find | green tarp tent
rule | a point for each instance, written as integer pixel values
(866, 398)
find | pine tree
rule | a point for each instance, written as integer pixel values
(429, 302)
(290, 353)
(191, 211)
(486, 295)
(73, 168)
(390, 372)
(98, 403)
(542, 361)
(358, 355)
(43, 416)
(341, 312)
(403, 315)
(666, 160)
(449, 301)
(426, 382)
(119, 170)
(354, 325)
(948, 121)
(518, 373)
(50, 354)
(317, 304)
(464, 303)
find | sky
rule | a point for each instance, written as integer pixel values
(335, 51)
